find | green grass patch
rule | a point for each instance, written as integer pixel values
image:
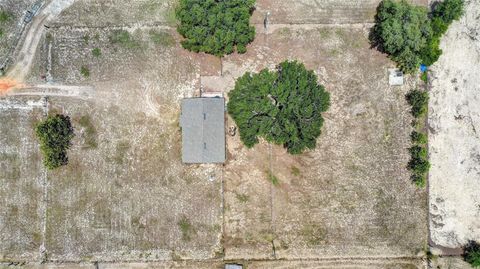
(85, 71)
(90, 134)
(86, 39)
(295, 171)
(96, 52)
(186, 228)
(242, 197)
(162, 38)
(124, 39)
(424, 77)
(272, 178)
(5, 16)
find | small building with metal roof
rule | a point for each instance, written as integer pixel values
(203, 130)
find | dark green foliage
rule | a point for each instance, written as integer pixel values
(96, 52)
(85, 71)
(409, 35)
(216, 27)
(283, 106)
(449, 10)
(402, 31)
(5, 16)
(55, 134)
(419, 165)
(472, 253)
(419, 102)
(418, 138)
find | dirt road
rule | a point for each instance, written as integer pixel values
(22, 64)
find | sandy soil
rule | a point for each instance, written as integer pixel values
(454, 146)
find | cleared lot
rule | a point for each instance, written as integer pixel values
(350, 196)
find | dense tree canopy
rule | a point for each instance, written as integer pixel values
(472, 254)
(409, 34)
(283, 106)
(216, 27)
(55, 134)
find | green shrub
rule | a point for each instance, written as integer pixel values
(472, 253)
(96, 52)
(284, 106)
(216, 27)
(424, 77)
(419, 138)
(5, 16)
(186, 228)
(418, 163)
(55, 134)
(272, 178)
(124, 39)
(419, 102)
(85, 71)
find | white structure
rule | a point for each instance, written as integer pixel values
(395, 77)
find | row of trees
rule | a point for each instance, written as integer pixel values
(411, 35)
(418, 164)
(283, 106)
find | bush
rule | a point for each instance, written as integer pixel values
(424, 77)
(96, 52)
(419, 102)
(419, 138)
(283, 106)
(55, 134)
(472, 253)
(216, 27)
(418, 164)
(85, 71)
(5, 16)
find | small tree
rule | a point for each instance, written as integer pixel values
(55, 134)
(216, 27)
(283, 106)
(419, 102)
(472, 253)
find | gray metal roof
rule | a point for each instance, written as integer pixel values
(203, 130)
(233, 266)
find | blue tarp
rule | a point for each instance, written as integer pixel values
(423, 68)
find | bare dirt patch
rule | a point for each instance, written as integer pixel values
(454, 143)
